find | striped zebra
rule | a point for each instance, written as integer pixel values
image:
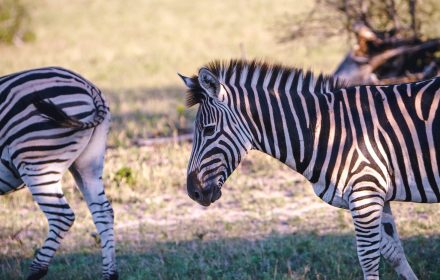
(360, 146)
(51, 120)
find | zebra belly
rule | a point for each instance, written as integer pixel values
(9, 181)
(330, 195)
(425, 193)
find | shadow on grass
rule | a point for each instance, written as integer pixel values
(144, 93)
(297, 256)
(147, 112)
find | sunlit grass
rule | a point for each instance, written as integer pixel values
(144, 43)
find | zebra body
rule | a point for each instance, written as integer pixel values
(360, 147)
(386, 132)
(51, 120)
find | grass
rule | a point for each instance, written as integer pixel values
(144, 44)
(268, 224)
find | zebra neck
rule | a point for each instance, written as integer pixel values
(287, 124)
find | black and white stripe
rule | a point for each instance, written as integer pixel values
(51, 120)
(359, 146)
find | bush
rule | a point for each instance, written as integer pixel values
(14, 22)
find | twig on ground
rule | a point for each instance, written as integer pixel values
(164, 140)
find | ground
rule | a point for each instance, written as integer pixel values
(268, 223)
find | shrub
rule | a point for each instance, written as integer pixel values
(14, 22)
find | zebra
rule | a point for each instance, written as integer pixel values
(359, 146)
(51, 120)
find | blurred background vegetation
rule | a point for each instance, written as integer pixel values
(14, 23)
(268, 224)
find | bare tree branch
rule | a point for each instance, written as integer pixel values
(392, 13)
(412, 12)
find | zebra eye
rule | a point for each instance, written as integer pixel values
(208, 130)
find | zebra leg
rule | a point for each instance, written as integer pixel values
(91, 186)
(49, 196)
(391, 248)
(366, 210)
(87, 171)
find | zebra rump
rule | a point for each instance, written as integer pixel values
(53, 120)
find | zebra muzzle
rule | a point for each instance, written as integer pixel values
(204, 196)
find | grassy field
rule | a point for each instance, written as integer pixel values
(268, 224)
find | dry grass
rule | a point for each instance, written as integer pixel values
(142, 44)
(267, 225)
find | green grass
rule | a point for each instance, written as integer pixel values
(268, 225)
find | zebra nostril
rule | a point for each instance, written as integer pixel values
(197, 195)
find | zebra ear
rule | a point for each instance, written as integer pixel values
(187, 81)
(209, 82)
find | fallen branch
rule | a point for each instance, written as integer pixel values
(413, 59)
(164, 140)
(378, 60)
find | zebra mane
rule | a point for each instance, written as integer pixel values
(223, 70)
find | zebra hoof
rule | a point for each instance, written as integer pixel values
(38, 274)
(113, 276)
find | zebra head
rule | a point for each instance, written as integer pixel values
(220, 138)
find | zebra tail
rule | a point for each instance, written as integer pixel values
(51, 111)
